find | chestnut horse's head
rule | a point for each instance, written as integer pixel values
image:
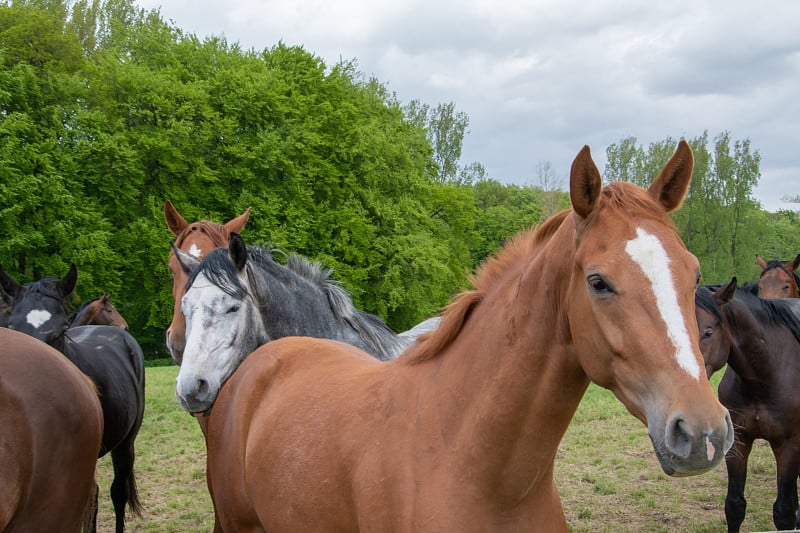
(99, 312)
(196, 239)
(778, 279)
(631, 311)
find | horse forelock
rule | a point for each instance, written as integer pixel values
(213, 230)
(219, 270)
(704, 299)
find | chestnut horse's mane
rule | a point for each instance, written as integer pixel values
(619, 197)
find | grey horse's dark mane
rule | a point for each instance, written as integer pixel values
(261, 263)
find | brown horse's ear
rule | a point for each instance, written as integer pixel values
(584, 183)
(67, 284)
(795, 263)
(9, 284)
(762, 263)
(237, 251)
(105, 298)
(188, 262)
(670, 186)
(726, 293)
(175, 221)
(235, 225)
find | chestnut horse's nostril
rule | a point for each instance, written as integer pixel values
(678, 438)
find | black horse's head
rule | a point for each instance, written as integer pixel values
(40, 306)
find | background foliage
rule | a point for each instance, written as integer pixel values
(107, 111)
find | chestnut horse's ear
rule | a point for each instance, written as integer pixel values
(670, 186)
(762, 263)
(66, 285)
(175, 221)
(9, 284)
(584, 183)
(726, 293)
(237, 251)
(235, 225)
(187, 261)
(795, 263)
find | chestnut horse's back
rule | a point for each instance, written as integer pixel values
(51, 429)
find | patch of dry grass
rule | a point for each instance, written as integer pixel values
(608, 476)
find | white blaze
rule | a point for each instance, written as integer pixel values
(37, 317)
(194, 251)
(646, 250)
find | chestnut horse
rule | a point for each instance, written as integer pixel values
(460, 433)
(97, 312)
(778, 279)
(759, 339)
(196, 239)
(50, 430)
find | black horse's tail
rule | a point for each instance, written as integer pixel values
(133, 496)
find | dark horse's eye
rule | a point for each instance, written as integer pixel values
(598, 284)
(708, 333)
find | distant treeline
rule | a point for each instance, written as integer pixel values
(107, 111)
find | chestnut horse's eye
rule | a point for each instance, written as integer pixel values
(598, 284)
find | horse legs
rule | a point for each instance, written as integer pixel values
(735, 502)
(785, 506)
(123, 488)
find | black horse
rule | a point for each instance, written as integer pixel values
(109, 355)
(759, 339)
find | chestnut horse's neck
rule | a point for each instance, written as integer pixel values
(499, 370)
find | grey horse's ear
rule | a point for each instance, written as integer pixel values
(237, 251)
(187, 261)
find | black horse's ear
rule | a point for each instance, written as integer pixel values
(67, 284)
(726, 293)
(237, 251)
(188, 262)
(9, 284)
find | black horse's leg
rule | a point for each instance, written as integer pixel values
(785, 506)
(736, 463)
(123, 488)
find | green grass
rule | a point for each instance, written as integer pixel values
(607, 474)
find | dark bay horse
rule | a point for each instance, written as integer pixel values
(237, 298)
(779, 279)
(97, 312)
(759, 339)
(196, 239)
(461, 431)
(109, 355)
(51, 425)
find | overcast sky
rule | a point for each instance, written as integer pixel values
(541, 78)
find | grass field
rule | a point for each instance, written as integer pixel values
(607, 474)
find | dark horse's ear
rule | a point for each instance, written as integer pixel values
(67, 284)
(584, 183)
(9, 284)
(188, 262)
(670, 186)
(237, 251)
(726, 293)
